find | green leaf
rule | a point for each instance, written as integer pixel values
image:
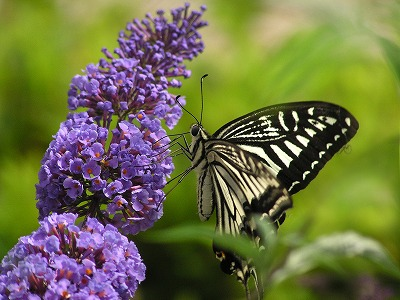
(328, 250)
(241, 245)
(391, 51)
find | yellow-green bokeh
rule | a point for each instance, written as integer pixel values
(257, 53)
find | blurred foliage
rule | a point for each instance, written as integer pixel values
(257, 53)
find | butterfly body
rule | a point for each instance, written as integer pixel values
(251, 166)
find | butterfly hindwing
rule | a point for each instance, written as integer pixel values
(295, 139)
(241, 186)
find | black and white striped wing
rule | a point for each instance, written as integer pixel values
(295, 140)
(241, 186)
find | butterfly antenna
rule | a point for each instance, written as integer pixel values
(181, 106)
(202, 98)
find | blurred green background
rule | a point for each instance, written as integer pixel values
(257, 53)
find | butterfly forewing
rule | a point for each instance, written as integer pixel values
(295, 139)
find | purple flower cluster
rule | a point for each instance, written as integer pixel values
(117, 175)
(150, 52)
(119, 183)
(62, 260)
(107, 165)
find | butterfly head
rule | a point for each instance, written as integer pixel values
(197, 145)
(195, 130)
(197, 133)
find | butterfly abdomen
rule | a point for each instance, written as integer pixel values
(205, 195)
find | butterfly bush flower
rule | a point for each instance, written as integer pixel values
(150, 56)
(80, 173)
(62, 260)
(111, 161)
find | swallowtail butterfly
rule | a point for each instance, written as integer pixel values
(252, 165)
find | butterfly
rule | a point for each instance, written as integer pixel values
(250, 167)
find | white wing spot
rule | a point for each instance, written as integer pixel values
(286, 159)
(296, 150)
(329, 145)
(293, 184)
(310, 132)
(336, 137)
(344, 130)
(313, 164)
(282, 120)
(302, 140)
(296, 119)
(348, 121)
(317, 124)
(305, 174)
(265, 121)
(328, 120)
(321, 154)
(310, 111)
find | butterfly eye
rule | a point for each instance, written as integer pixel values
(194, 131)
